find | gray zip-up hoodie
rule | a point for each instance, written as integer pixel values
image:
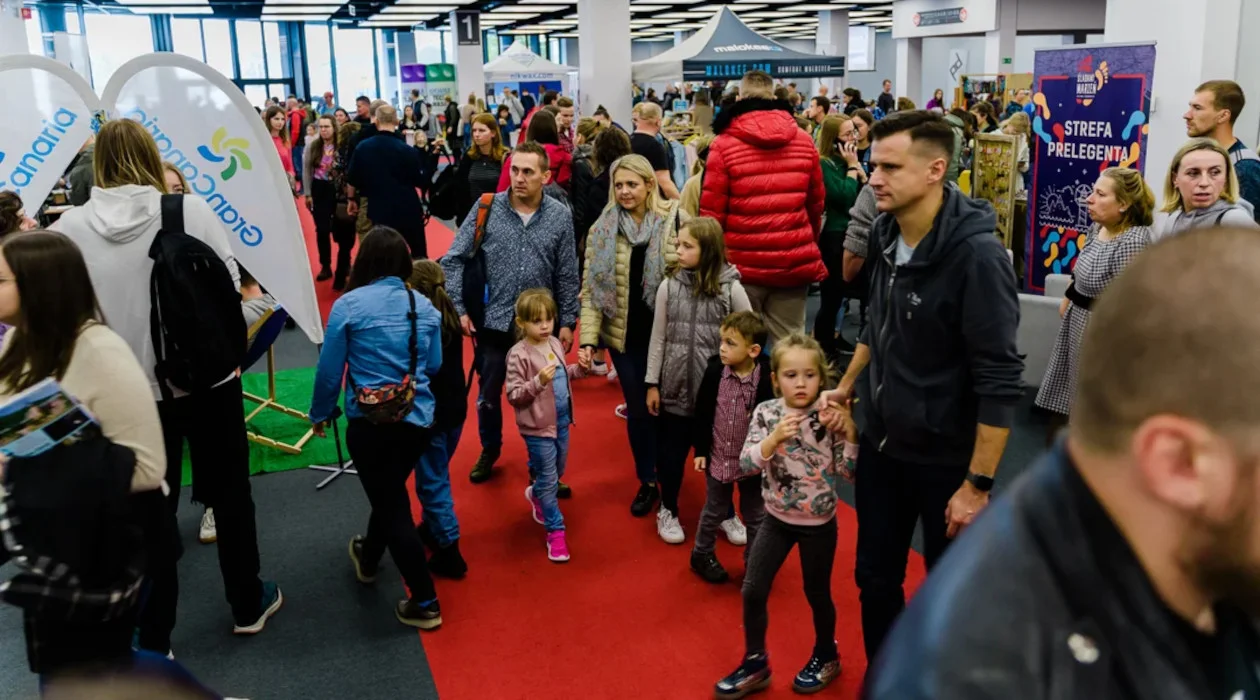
(942, 337)
(1220, 213)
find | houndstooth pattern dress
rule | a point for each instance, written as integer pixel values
(1099, 263)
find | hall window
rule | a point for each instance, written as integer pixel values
(186, 38)
(218, 45)
(249, 49)
(277, 50)
(356, 64)
(115, 39)
(319, 63)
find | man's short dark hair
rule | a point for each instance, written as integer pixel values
(549, 97)
(749, 325)
(554, 110)
(1226, 94)
(363, 98)
(921, 125)
(533, 148)
(780, 93)
(821, 101)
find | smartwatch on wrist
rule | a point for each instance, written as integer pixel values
(982, 483)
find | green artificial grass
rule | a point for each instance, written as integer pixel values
(293, 389)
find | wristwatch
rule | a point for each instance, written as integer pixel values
(983, 484)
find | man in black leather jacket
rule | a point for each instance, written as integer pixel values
(1126, 563)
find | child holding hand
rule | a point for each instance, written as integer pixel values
(800, 461)
(538, 387)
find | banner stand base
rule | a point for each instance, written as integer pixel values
(336, 469)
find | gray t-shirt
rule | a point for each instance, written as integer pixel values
(904, 252)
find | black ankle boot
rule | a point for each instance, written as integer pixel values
(447, 562)
(483, 469)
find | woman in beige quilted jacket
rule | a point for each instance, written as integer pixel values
(627, 251)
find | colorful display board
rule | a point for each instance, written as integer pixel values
(1090, 113)
(435, 81)
(994, 170)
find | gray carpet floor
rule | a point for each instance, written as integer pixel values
(334, 639)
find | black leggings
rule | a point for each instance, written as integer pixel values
(673, 443)
(770, 549)
(324, 211)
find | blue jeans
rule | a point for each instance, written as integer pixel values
(641, 426)
(433, 485)
(547, 458)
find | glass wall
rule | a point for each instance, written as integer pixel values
(115, 39)
(428, 46)
(319, 62)
(249, 49)
(186, 38)
(276, 52)
(34, 37)
(356, 64)
(218, 35)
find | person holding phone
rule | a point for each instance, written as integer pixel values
(843, 178)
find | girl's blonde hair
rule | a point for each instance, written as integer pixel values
(800, 341)
(708, 233)
(169, 167)
(1133, 194)
(829, 133)
(1172, 195)
(640, 166)
(534, 305)
(428, 278)
(588, 128)
(700, 143)
(1019, 122)
(127, 155)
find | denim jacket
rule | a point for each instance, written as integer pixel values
(368, 334)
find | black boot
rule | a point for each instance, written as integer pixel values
(447, 562)
(324, 274)
(483, 469)
(339, 281)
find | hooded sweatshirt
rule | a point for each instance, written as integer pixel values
(115, 230)
(763, 184)
(941, 336)
(1220, 213)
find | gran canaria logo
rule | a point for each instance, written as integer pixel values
(26, 165)
(234, 147)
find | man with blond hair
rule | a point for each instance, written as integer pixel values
(386, 171)
(1127, 560)
(764, 185)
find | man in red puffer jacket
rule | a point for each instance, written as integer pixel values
(763, 183)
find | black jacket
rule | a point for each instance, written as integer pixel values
(449, 392)
(887, 102)
(706, 400)
(1042, 598)
(589, 195)
(387, 171)
(941, 335)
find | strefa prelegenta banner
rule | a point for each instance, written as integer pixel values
(202, 124)
(1090, 112)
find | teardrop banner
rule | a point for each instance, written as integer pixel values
(43, 130)
(205, 126)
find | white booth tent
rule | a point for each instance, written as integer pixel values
(726, 48)
(517, 64)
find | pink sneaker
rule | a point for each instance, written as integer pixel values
(534, 504)
(557, 547)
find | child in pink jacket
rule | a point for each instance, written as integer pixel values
(538, 387)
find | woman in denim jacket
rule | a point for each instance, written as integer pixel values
(368, 340)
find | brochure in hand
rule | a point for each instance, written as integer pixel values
(41, 418)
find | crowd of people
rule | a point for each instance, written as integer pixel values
(585, 249)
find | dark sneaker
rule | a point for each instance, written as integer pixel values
(447, 562)
(324, 274)
(270, 603)
(707, 567)
(339, 283)
(366, 573)
(816, 675)
(484, 468)
(426, 617)
(563, 490)
(752, 676)
(645, 500)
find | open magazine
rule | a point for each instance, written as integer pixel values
(41, 418)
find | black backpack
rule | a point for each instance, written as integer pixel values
(444, 199)
(198, 329)
(473, 291)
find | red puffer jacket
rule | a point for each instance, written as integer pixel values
(763, 183)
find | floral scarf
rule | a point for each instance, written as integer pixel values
(601, 271)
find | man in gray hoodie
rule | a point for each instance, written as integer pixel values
(936, 371)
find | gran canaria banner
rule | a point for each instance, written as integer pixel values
(202, 124)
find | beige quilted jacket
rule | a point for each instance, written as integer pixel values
(597, 329)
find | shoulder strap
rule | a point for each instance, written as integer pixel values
(1221, 216)
(173, 213)
(413, 344)
(483, 215)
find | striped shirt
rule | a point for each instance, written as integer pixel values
(736, 400)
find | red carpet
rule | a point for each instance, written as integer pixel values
(625, 618)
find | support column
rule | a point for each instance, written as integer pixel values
(909, 79)
(12, 29)
(604, 63)
(999, 45)
(832, 39)
(470, 74)
(1190, 49)
(52, 19)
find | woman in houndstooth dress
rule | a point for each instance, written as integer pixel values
(1120, 203)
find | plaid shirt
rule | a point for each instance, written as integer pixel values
(736, 400)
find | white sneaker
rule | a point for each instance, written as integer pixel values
(208, 534)
(620, 410)
(612, 373)
(668, 527)
(735, 532)
(599, 368)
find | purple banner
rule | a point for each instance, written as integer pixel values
(1090, 107)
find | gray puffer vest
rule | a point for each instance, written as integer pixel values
(692, 336)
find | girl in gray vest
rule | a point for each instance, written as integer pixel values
(697, 293)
